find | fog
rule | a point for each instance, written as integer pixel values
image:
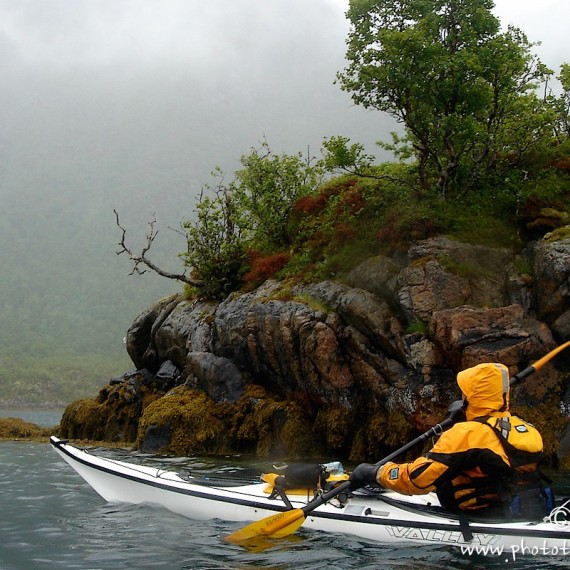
(130, 104)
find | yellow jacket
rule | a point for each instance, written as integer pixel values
(469, 460)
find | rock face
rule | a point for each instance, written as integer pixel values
(345, 370)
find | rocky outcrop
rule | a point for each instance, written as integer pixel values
(346, 370)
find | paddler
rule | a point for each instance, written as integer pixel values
(486, 465)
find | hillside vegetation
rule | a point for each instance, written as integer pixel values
(484, 156)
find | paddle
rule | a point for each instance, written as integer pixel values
(285, 523)
(539, 363)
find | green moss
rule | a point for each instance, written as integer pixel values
(82, 419)
(335, 426)
(465, 270)
(273, 428)
(192, 419)
(111, 417)
(549, 424)
(522, 266)
(380, 436)
(558, 234)
(315, 304)
(417, 327)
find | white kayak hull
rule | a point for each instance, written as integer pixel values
(387, 517)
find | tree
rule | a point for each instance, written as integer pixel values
(216, 251)
(443, 69)
(250, 213)
(563, 104)
(141, 262)
(266, 189)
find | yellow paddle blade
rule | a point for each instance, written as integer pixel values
(264, 543)
(276, 526)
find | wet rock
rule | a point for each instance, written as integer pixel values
(561, 326)
(468, 335)
(167, 375)
(219, 377)
(444, 273)
(156, 437)
(552, 274)
(350, 369)
(140, 338)
(186, 328)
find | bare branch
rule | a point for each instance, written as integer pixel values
(140, 262)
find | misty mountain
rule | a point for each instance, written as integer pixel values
(76, 144)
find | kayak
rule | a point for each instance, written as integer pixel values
(382, 516)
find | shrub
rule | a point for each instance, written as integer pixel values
(263, 268)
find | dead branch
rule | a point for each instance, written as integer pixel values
(141, 263)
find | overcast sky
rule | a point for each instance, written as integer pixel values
(102, 96)
(270, 63)
(132, 103)
(214, 33)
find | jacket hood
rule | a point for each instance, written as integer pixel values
(486, 389)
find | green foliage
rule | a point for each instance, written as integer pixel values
(249, 214)
(266, 188)
(463, 90)
(558, 234)
(316, 304)
(417, 327)
(216, 251)
(563, 103)
(349, 159)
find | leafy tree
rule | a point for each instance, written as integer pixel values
(563, 104)
(339, 157)
(266, 188)
(250, 213)
(216, 250)
(443, 69)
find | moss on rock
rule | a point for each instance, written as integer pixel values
(17, 428)
(112, 416)
(380, 435)
(190, 423)
(186, 421)
(335, 425)
(548, 424)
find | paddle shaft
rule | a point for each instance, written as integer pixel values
(539, 363)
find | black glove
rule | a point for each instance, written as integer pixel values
(364, 474)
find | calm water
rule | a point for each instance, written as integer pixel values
(50, 519)
(41, 417)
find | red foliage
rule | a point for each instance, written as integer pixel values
(310, 204)
(263, 268)
(531, 208)
(315, 204)
(562, 164)
(352, 202)
(342, 233)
